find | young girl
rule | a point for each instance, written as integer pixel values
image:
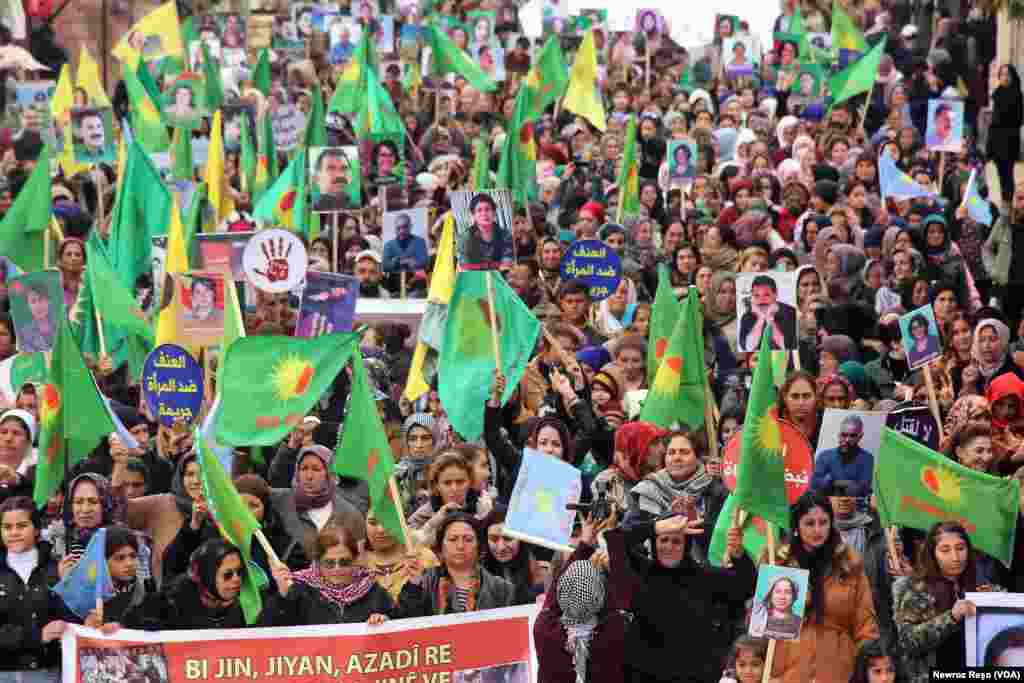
(746, 661)
(876, 664)
(481, 483)
(122, 550)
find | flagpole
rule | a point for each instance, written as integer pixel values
(769, 659)
(933, 401)
(99, 329)
(739, 518)
(495, 343)
(396, 498)
(867, 105)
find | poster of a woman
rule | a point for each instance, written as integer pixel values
(37, 305)
(779, 602)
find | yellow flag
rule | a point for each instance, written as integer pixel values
(63, 96)
(176, 263)
(156, 35)
(582, 96)
(216, 182)
(89, 80)
(442, 284)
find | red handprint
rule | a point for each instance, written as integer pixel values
(276, 254)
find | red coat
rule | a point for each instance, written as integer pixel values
(606, 649)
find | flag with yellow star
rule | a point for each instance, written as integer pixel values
(677, 393)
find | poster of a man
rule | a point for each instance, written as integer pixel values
(405, 244)
(182, 102)
(765, 308)
(93, 134)
(945, 131)
(331, 179)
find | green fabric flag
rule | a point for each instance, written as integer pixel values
(629, 176)
(796, 27)
(234, 324)
(686, 79)
(364, 453)
(447, 58)
(73, 418)
(845, 33)
(141, 211)
(664, 314)
(192, 221)
(182, 163)
(148, 127)
(214, 85)
(25, 225)
(117, 305)
(467, 362)
(351, 87)
(518, 166)
(377, 119)
(760, 479)
(917, 487)
(270, 383)
(284, 203)
(316, 125)
(677, 393)
(247, 161)
(755, 534)
(548, 79)
(859, 77)
(266, 159)
(481, 176)
(261, 76)
(237, 525)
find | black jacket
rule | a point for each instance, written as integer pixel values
(664, 599)
(178, 607)
(24, 610)
(304, 606)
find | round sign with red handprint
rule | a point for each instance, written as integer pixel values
(275, 261)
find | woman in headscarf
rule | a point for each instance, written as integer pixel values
(843, 266)
(509, 558)
(720, 306)
(314, 501)
(991, 357)
(785, 134)
(615, 313)
(639, 451)
(683, 485)
(420, 438)
(581, 629)
(204, 598)
(718, 250)
(460, 583)
(641, 248)
(1005, 396)
(336, 589)
(17, 459)
(71, 263)
(90, 506)
(1004, 131)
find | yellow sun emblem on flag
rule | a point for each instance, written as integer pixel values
(767, 435)
(49, 409)
(668, 377)
(91, 572)
(942, 483)
(291, 376)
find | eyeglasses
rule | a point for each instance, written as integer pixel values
(336, 564)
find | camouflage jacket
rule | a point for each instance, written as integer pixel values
(920, 626)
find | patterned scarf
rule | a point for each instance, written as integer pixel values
(666, 489)
(581, 596)
(444, 587)
(342, 596)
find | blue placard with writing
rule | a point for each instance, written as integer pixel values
(172, 382)
(595, 263)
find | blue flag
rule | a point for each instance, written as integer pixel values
(89, 580)
(977, 208)
(536, 511)
(896, 183)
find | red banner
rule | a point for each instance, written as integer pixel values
(493, 646)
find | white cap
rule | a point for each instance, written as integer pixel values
(909, 31)
(25, 417)
(368, 253)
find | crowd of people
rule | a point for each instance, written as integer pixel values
(781, 183)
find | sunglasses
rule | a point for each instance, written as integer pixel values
(336, 564)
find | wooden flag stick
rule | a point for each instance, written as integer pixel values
(568, 360)
(770, 657)
(99, 330)
(933, 401)
(495, 341)
(272, 557)
(739, 518)
(890, 535)
(396, 498)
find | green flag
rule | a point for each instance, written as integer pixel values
(448, 58)
(352, 83)
(796, 27)
(845, 33)
(148, 125)
(755, 534)
(214, 85)
(117, 305)
(261, 75)
(677, 393)
(270, 383)
(857, 78)
(316, 125)
(664, 314)
(141, 211)
(364, 453)
(467, 362)
(25, 225)
(548, 79)
(247, 161)
(481, 176)
(517, 168)
(237, 525)
(917, 487)
(266, 159)
(760, 479)
(377, 119)
(284, 203)
(629, 176)
(73, 417)
(182, 163)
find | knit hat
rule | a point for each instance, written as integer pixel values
(605, 380)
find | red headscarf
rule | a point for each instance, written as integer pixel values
(631, 443)
(1006, 384)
